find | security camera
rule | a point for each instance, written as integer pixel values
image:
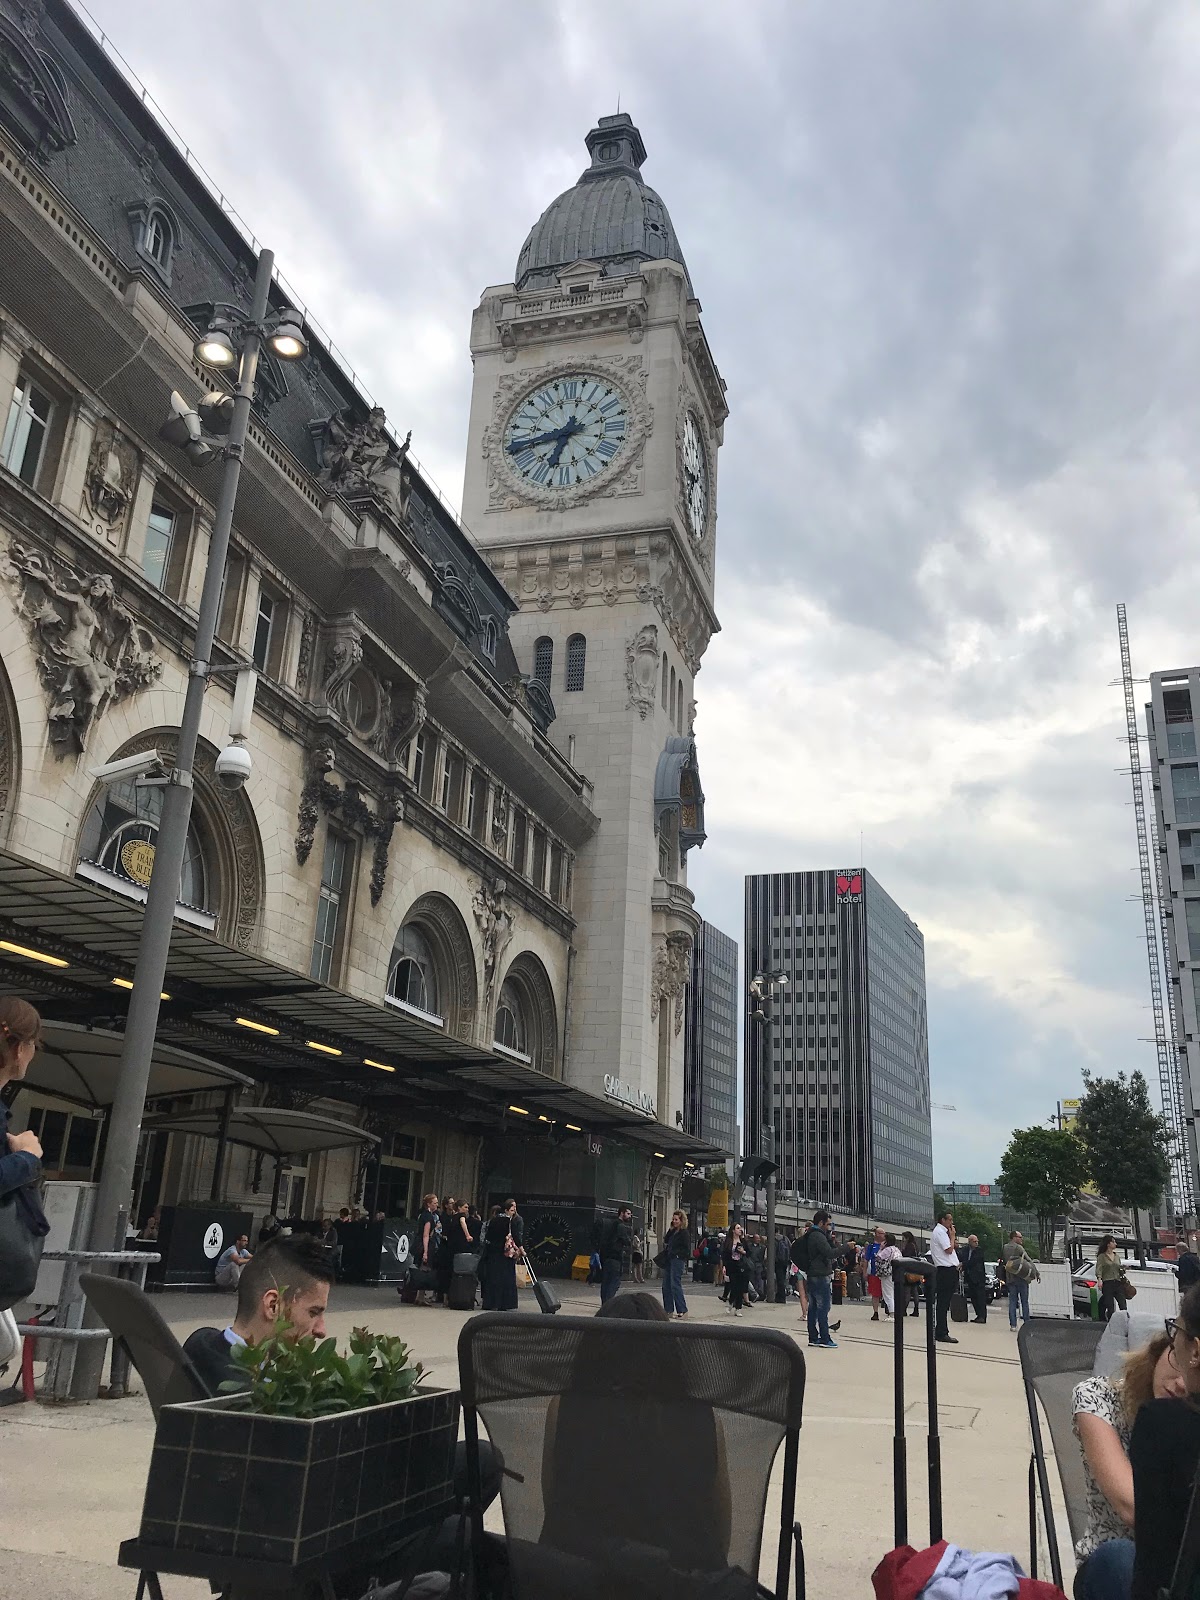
(147, 764)
(233, 766)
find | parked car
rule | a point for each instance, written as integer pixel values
(1084, 1280)
(991, 1281)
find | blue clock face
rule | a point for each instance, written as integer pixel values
(567, 432)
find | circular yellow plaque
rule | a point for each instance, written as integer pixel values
(137, 858)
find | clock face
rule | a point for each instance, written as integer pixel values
(548, 1240)
(695, 477)
(567, 432)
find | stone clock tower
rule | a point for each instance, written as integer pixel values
(596, 417)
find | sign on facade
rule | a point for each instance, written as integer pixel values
(641, 1100)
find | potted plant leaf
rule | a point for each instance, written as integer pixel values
(313, 1451)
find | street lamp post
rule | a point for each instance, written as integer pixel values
(763, 988)
(216, 348)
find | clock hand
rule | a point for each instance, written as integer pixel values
(518, 445)
(568, 431)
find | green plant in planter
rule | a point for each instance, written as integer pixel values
(286, 1377)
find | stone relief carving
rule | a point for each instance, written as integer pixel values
(401, 718)
(670, 973)
(347, 804)
(308, 634)
(500, 819)
(507, 489)
(495, 924)
(359, 459)
(343, 657)
(641, 669)
(90, 648)
(110, 478)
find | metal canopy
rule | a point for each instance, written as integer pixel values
(311, 1038)
(83, 1065)
(274, 1129)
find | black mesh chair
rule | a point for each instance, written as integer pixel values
(1055, 1356)
(136, 1325)
(637, 1455)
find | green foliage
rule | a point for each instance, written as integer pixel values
(1042, 1171)
(303, 1378)
(1124, 1139)
(968, 1219)
(718, 1178)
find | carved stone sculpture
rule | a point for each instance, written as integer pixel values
(641, 669)
(343, 657)
(352, 811)
(90, 647)
(401, 720)
(670, 973)
(361, 458)
(495, 930)
(308, 633)
(111, 476)
(500, 820)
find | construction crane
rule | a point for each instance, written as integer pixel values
(1154, 911)
(936, 1105)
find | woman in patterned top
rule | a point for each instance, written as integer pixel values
(1105, 1409)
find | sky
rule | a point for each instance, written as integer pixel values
(948, 261)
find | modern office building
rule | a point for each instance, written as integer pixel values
(1175, 775)
(710, 1040)
(849, 1043)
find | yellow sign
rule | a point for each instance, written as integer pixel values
(137, 860)
(1070, 1105)
(718, 1208)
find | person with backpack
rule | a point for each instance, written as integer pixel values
(1020, 1270)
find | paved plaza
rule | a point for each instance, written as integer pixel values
(73, 1476)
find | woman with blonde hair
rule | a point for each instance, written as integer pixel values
(676, 1253)
(1105, 1409)
(20, 1165)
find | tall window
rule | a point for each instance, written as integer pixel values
(231, 596)
(556, 873)
(24, 441)
(511, 1031)
(538, 870)
(543, 660)
(160, 536)
(520, 837)
(264, 629)
(1185, 787)
(576, 662)
(477, 804)
(490, 635)
(120, 836)
(666, 669)
(413, 975)
(672, 706)
(159, 239)
(424, 762)
(331, 906)
(452, 785)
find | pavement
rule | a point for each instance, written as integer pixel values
(73, 1476)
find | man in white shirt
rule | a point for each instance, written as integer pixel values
(942, 1247)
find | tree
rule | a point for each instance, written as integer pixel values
(1126, 1143)
(1041, 1172)
(968, 1220)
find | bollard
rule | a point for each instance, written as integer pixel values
(1094, 1298)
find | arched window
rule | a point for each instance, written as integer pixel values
(664, 687)
(576, 662)
(119, 837)
(671, 710)
(512, 1030)
(160, 238)
(413, 975)
(543, 660)
(489, 637)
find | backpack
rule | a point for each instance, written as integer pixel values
(800, 1252)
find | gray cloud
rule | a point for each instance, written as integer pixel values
(947, 258)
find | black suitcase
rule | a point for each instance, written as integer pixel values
(548, 1301)
(463, 1288)
(933, 1443)
(958, 1307)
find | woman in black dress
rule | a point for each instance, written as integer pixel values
(503, 1237)
(443, 1266)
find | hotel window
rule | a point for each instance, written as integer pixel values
(452, 785)
(557, 877)
(520, 837)
(476, 804)
(543, 660)
(160, 239)
(331, 907)
(576, 662)
(538, 871)
(424, 763)
(665, 682)
(490, 635)
(163, 550)
(270, 625)
(24, 442)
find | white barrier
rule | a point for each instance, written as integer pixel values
(1050, 1296)
(1157, 1292)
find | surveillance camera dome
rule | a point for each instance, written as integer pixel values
(233, 766)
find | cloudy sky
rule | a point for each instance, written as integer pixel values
(949, 259)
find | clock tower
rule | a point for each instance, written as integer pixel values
(596, 417)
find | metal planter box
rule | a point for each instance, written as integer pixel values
(225, 1481)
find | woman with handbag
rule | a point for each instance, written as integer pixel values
(1110, 1270)
(503, 1237)
(23, 1223)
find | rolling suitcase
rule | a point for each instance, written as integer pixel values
(548, 1301)
(958, 1306)
(463, 1288)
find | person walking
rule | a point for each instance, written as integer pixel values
(820, 1271)
(911, 1288)
(1110, 1270)
(1020, 1270)
(636, 1258)
(737, 1268)
(675, 1255)
(974, 1270)
(614, 1245)
(426, 1242)
(504, 1236)
(782, 1262)
(887, 1278)
(943, 1246)
(874, 1283)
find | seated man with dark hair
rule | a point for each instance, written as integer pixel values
(289, 1277)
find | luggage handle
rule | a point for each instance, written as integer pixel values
(927, 1272)
(528, 1265)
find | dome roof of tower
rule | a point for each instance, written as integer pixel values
(609, 216)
